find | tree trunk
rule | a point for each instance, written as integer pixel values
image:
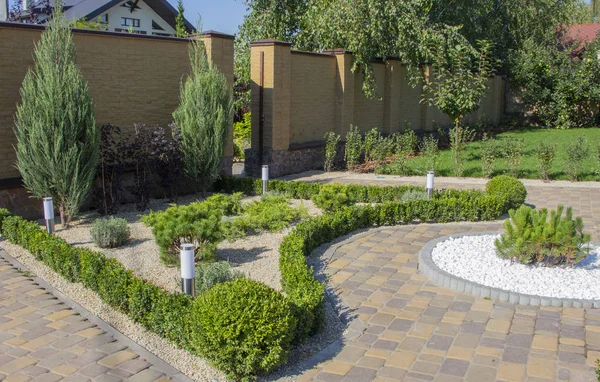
(64, 222)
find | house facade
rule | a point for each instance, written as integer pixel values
(146, 17)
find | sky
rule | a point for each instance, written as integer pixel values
(219, 15)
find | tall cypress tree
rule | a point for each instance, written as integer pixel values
(180, 27)
(57, 137)
(204, 117)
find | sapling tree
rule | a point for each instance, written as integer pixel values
(455, 82)
(180, 27)
(204, 117)
(57, 137)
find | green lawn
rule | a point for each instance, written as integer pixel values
(529, 164)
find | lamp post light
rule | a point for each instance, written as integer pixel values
(49, 214)
(429, 184)
(265, 178)
(187, 269)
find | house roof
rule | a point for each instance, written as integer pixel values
(90, 9)
(582, 33)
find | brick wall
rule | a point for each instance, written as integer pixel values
(132, 78)
(308, 94)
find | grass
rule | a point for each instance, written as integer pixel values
(529, 163)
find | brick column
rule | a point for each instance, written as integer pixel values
(219, 50)
(276, 107)
(344, 97)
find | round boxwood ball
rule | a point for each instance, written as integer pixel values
(243, 327)
(508, 187)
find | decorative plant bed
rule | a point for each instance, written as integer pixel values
(469, 263)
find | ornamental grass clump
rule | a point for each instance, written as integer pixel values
(57, 137)
(110, 233)
(533, 237)
(209, 275)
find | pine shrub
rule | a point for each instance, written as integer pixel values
(534, 237)
(110, 233)
(57, 137)
(331, 198)
(204, 117)
(509, 188)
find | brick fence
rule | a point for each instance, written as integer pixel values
(132, 79)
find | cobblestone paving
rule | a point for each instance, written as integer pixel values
(41, 339)
(406, 328)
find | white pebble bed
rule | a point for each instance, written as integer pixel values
(474, 258)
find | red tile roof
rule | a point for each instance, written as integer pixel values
(582, 33)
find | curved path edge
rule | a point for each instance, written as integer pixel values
(450, 281)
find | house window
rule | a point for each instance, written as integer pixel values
(103, 19)
(129, 31)
(157, 27)
(128, 22)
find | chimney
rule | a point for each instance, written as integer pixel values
(3, 10)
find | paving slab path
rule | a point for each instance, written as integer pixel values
(404, 327)
(46, 338)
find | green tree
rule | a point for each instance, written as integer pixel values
(204, 117)
(180, 27)
(57, 137)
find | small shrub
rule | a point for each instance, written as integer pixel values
(371, 139)
(488, 155)
(406, 142)
(244, 328)
(513, 149)
(533, 238)
(110, 233)
(4, 213)
(354, 147)
(225, 204)
(459, 137)
(430, 150)
(331, 198)
(383, 149)
(545, 154)
(196, 223)
(509, 188)
(208, 275)
(271, 213)
(331, 142)
(242, 132)
(577, 152)
(414, 195)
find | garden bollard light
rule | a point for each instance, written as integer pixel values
(187, 269)
(429, 185)
(265, 178)
(49, 214)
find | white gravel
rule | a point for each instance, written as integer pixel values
(474, 258)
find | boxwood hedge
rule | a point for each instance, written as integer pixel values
(184, 321)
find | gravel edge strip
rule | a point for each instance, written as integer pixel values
(157, 362)
(450, 281)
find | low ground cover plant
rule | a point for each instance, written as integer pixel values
(110, 233)
(536, 237)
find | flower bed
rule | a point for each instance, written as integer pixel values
(179, 318)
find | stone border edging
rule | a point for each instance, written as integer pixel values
(157, 362)
(450, 281)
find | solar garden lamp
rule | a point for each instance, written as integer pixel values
(429, 184)
(265, 178)
(49, 214)
(187, 269)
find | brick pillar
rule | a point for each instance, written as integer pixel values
(344, 93)
(219, 50)
(391, 96)
(276, 107)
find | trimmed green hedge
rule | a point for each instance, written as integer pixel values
(187, 321)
